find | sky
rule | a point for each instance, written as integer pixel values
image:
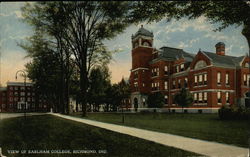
(189, 35)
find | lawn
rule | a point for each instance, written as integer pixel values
(201, 126)
(53, 134)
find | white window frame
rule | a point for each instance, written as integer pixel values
(218, 97)
(205, 96)
(166, 68)
(218, 77)
(195, 96)
(205, 77)
(200, 78)
(166, 85)
(227, 96)
(200, 97)
(227, 79)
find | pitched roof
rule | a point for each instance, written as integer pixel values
(224, 61)
(175, 53)
(145, 32)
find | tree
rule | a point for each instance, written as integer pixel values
(99, 80)
(183, 98)
(225, 12)
(156, 100)
(81, 28)
(43, 69)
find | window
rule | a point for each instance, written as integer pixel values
(195, 80)
(136, 75)
(200, 64)
(11, 88)
(205, 79)
(22, 94)
(205, 97)
(185, 81)
(227, 97)
(195, 97)
(246, 65)
(166, 70)
(177, 68)
(173, 84)
(144, 101)
(200, 79)
(143, 84)
(22, 99)
(28, 93)
(245, 79)
(200, 97)
(15, 99)
(227, 79)
(182, 67)
(136, 86)
(11, 93)
(219, 97)
(11, 99)
(179, 83)
(155, 85)
(218, 78)
(155, 72)
(136, 44)
(166, 85)
(22, 88)
(145, 43)
(166, 99)
(16, 88)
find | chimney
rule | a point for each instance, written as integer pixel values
(220, 48)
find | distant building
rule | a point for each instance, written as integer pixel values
(214, 79)
(14, 96)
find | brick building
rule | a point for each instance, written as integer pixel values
(14, 96)
(214, 78)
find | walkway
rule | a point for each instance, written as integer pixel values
(189, 144)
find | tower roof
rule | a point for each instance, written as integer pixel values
(143, 31)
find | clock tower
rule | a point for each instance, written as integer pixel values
(142, 49)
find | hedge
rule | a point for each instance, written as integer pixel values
(232, 113)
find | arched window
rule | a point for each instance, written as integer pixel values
(146, 44)
(136, 45)
(200, 64)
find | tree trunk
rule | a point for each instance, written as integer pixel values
(67, 78)
(83, 91)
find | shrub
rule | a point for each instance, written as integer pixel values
(233, 113)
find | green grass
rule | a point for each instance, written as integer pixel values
(53, 133)
(201, 126)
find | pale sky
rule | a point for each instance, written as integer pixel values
(190, 35)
